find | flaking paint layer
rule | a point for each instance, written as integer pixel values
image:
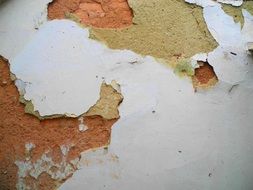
(106, 106)
(236, 12)
(52, 147)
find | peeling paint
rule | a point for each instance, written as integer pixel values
(204, 3)
(236, 12)
(213, 107)
(214, 140)
(106, 106)
(157, 32)
(57, 171)
(48, 93)
(232, 2)
(41, 137)
(210, 129)
(231, 55)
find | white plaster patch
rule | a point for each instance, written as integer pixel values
(82, 127)
(53, 77)
(236, 3)
(205, 3)
(209, 128)
(97, 163)
(19, 21)
(230, 59)
(219, 23)
(200, 57)
(185, 138)
(247, 29)
(202, 3)
(21, 86)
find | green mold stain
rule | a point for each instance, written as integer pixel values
(184, 67)
(162, 29)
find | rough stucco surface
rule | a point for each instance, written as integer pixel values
(97, 13)
(204, 76)
(107, 105)
(161, 29)
(18, 128)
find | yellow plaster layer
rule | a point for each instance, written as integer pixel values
(163, 29)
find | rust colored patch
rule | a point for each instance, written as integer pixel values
(96, 13)
(18, 128)
(44, 183)
(204, 76)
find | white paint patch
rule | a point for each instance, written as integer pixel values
(187, 140)
(236, 3)
(200, 57)
(205, 3)
(213, 131)
(19, 21)
(231, 60)
(21, 86)
(82, 127)
(247, 29)
(219, 23)
(202, 3)
(53, 77)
